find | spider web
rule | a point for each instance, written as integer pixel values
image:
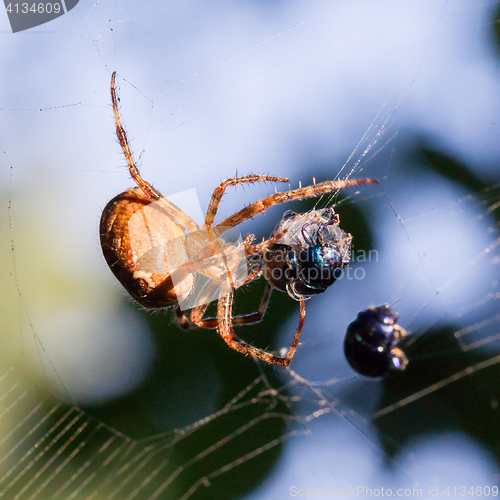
(101, 400)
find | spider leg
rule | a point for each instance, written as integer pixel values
(152, 193)
(257, 316)
(147, 188)
(196, 316)
(224, 314)
(399, 333)
(182, 319)
(244, 319)
(233, 181)
(296, 194)
(260, 247)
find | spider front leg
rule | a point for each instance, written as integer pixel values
(225, 320)
(296, 194)
(233, 181)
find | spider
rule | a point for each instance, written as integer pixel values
(158, 252)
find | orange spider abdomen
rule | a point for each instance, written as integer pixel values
(142, 245)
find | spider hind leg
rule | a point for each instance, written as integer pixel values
(224, 313)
